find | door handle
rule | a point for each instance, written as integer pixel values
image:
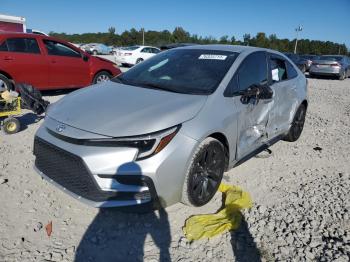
(8, 58)
(53, 61)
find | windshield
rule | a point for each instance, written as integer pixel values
(131, 48)
(331, 58)
(188, 71)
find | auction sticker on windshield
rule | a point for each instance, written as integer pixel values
(212, 57)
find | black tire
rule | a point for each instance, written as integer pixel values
(6, 83)
(95, 52)
(101, 77)
(205, 173)
(297, 126)
(303, 69)
(342, 76)
(11, 125)
(139, 60)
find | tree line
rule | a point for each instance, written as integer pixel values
(179, 35)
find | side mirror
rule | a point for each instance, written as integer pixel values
(256, 92)
(85, 57)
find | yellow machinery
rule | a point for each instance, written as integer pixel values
(9, 109)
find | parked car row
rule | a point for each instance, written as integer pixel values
(49, 63)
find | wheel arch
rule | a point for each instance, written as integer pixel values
(222, 138)
(6, 74)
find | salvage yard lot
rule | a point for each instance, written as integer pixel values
(301, 195)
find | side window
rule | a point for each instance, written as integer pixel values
(155, 51)
(291, 72)
(253, 71)
(3, 46)
(23, 45)
(146, 50)
(278, 69)
(56, 48)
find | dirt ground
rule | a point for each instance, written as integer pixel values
(301, 195)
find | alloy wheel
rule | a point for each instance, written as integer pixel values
(206, 174)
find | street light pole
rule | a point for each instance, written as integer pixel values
(299, 29)
(143, 36)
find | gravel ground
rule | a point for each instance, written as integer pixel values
(300, 193)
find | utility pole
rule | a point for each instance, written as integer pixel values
(297, 30)
(143, 36)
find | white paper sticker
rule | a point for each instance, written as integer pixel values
(212, 57)
(275, 76)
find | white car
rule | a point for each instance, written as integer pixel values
(133, 55)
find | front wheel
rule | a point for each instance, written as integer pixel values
(101, 77)
(297, 125)
(205, 173)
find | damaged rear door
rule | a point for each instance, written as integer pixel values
(253, 117)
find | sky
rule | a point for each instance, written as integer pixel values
(320, 19)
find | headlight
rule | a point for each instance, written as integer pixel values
(148, 145)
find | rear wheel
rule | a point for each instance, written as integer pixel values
(139, 60)
(11, 125)
(101, 77)
(342, 75)
(5, 83)
(297, 125)
(205, 173)
(95, 52)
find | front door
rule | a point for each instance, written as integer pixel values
(253, 117)
(67, 69)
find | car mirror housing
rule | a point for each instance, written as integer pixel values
(85, 57)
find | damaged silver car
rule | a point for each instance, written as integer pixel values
(166, 130)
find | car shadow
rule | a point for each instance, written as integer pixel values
(243, 244)
(118, 234)
(28, 119)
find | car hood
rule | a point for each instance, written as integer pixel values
(117, 110)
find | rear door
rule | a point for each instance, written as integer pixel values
(253, 115)
(67, 69)
(22, 58)
(282, 80)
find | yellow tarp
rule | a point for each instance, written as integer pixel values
(228, 218)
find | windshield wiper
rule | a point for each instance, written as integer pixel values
(124, 81)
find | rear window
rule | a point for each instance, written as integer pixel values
(22, 45)
(131, 48)
(331, 58)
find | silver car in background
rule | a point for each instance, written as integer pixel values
(331, 65)
(166, 130)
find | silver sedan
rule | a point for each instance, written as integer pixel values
(166, 130)
(331, 65)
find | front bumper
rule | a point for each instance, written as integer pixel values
(109, 176)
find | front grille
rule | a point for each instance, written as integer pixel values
(69, 171)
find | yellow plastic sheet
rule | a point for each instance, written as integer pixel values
(228, 218)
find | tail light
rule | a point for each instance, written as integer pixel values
(335, 64)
